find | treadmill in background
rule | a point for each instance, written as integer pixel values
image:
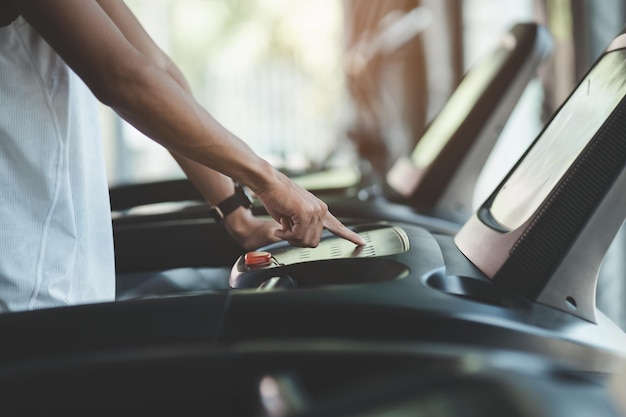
(439, 178)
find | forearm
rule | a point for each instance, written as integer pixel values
(100, 45)
(159, 107)
(213, 185)
(107, 48)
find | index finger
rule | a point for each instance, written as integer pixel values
(339, 229)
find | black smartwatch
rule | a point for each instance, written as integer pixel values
(232, 203)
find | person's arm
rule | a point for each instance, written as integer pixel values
(147, 96)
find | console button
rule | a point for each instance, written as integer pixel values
(256, 259)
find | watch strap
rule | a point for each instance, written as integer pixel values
(230, 204)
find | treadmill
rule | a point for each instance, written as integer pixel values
(519, 275)
(432, 188)
(505, 306)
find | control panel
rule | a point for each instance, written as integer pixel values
(274, 265)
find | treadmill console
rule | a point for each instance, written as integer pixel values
(274, 264)
(381, 241)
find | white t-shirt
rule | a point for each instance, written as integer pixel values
(56, 242)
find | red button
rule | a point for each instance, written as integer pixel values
(257, 258)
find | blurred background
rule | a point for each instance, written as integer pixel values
(269, 70)
(275, 73)
(313, 84)
(310, 84)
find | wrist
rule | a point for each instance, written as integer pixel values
(261, 177)
(237, 222)
(238, 201)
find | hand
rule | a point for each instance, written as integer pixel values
(249, 231)
(301, 215)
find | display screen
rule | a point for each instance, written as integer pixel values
(460, 104)
(561, 142)
(382, 241)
